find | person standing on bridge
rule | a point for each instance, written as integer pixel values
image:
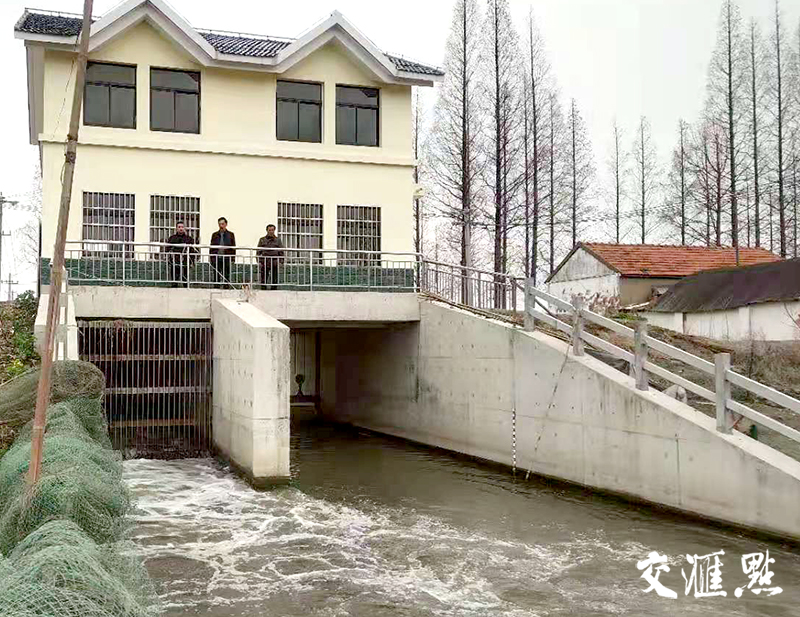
(181, 255)
(221, 258)
(270, 255)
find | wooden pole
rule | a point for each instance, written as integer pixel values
(43, 394)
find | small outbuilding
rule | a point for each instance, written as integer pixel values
(759, 303)
(632, 274)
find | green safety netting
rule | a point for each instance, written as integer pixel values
(63, 548)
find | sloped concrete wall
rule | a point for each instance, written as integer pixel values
(251, 390)
(460, 382)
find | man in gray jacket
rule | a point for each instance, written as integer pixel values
(269, 257)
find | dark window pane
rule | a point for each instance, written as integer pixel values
(365, 97)
(187, 116)
(123, 107)
(287, 120)
(367, 131)
(294, 90)
(96, 103)
(346, 125)
(111, 73)
(178, 80)
(310, 122)
(162, 112)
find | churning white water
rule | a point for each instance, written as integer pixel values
(372, 526)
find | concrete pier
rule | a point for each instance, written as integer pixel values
(251, 390)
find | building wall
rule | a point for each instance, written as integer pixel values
(235, 165)
(468, 384)
(769, 321)
(640, 290)
(584, 275)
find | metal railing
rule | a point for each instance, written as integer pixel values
(641, 366)
(158, 264)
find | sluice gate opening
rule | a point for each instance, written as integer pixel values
(158, 384)
(305, 349)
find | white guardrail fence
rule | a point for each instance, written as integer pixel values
(720, 369)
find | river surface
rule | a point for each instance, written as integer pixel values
(372, 526)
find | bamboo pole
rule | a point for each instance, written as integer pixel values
(43, 393)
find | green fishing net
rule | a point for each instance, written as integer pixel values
(63, 550)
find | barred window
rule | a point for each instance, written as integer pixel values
(300, 227)
(109, 217)
(358, 228)
(167, 210)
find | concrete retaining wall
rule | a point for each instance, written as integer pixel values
(66, 341)
(456, 380)
(251, 390)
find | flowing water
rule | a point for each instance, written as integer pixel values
(372, 526)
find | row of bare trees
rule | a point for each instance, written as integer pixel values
(734, 172)
(510, 171)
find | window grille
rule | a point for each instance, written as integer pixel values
(300, 227)
(167, 210)
(358, 228)
(108, 216)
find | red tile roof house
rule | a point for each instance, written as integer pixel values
(631, 274)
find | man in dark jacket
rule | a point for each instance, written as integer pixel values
(269, 257)
(221, 258)
(181, 255)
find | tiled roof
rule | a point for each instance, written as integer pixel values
(403, 64)
(225, 43)
(237, 45)
(44, 23)
(663, 261)
(719, 290)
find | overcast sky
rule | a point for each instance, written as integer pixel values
(619, 58)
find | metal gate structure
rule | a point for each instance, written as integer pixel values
(158, 384)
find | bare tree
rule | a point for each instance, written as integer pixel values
(755, 67)
(580, 167)
(725, 106)
(680, 184)
(645, 173)
(454, 143)
(556, 171)
(779, 109)
(618, 165)
(537, 73)
(501, 81)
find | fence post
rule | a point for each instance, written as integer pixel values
(577, 327)
(513, 284)
(640, 355)
(529, 321)
(722, 362)
(310, 270)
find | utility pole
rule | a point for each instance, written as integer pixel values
(43, 392)
(3, 202)
(10, 283)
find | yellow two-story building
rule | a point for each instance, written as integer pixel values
(311, 134)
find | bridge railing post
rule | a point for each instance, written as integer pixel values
(722, 363)
(530, 302)
(577, 327)
(640, 355)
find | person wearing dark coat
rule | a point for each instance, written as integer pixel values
(221, 258)
(181, 255)
(270, 256)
